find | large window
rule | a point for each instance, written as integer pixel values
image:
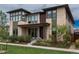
(32, 18)
(17, 18)
(49, 14)
(68, 24)
(20, 13)
(13, 18)
(54, 22)
(23, 13)
(54, 14)
(10, 14)
(10, 18)
(36, 17)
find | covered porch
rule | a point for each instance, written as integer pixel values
(34, 30)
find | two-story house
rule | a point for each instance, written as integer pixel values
(39, 24)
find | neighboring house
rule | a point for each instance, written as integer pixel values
(40, 24)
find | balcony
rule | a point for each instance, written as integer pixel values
(22, 23)
(34, 25)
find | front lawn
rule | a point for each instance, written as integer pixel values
(29, 50)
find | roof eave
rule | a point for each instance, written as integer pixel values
(18, 9)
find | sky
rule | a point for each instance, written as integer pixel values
(33, 7)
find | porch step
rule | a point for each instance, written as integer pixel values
(33, 41)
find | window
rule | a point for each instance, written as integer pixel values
(17, 18)
(54, 14)
(36, 17)
(23, 13)
(16, 13)
(49, 14)
(54, 23)
(30, 18)
(11, 14)
(13, 18)
(27, 18)
(33, 18)
(19, 13)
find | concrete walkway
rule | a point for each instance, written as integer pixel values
(42, 47)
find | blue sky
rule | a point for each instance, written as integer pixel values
(73, 7)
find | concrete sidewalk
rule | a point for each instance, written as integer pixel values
(42, 47)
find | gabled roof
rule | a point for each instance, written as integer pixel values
(20, 9)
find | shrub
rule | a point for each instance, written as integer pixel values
(66, 40)
(12, 38)
(15, 39)
(44, 42)
(62, 45)
(3, 38)
(24, 39)
(28, 38)
(19, 38)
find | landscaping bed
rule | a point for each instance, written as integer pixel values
(50, 43)
(16, 39)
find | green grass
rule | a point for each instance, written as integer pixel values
(29, 50)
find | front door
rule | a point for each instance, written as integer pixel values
(32, 32)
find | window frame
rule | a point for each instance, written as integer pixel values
(47, 15)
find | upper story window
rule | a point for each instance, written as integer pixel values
(17, 18)
(10, 18)
(11, 14)
(54, 14)
(49, 13)
(13, 18)
(19, 13)
(23, 13)
(32, 18)
(36, 17)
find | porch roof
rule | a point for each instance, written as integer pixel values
(34, 25)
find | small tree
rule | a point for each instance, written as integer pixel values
(3, 21)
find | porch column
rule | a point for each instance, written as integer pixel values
(19, 31)
(38, 33)
(11, 28)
